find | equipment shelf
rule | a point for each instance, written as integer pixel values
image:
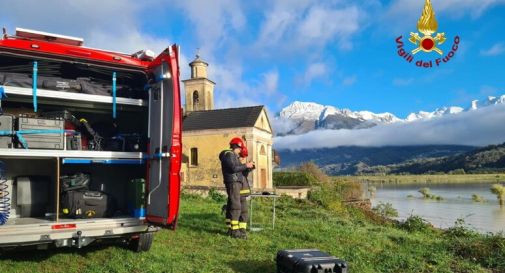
(33, 153)
(15, 92)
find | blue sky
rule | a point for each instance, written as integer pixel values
(340, 53)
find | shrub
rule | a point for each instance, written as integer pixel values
(385, 210)
(478, 198)
(292, 179)
(487, 250)
(460, 230)
(187, 195)
(326, 196)
(349, 190)
(217, 196)
(458, 171)
(499, 190)
(427, 194)
(415, 223)
(316, 174)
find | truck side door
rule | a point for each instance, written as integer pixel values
(164, 150)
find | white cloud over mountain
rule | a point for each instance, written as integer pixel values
(310, 125)
(478, 128)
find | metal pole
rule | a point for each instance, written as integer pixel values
(57, 189)
(251, 212)
(273, 217)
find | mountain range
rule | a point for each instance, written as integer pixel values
(302, 117)
(489, 159)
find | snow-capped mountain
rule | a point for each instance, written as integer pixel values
(301, 117)
(437, 113)
(307, 116)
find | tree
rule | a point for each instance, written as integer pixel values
(499, 190)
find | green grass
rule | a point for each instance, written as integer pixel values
(199, 245)
(431, 179)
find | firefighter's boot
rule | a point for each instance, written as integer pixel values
(236, 234)
(243, 233)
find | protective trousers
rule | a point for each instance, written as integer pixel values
(245, 191)
(233, 207)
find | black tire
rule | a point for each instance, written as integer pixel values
(142, 243)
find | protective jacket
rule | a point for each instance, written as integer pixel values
(231, 167)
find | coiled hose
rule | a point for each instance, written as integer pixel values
(5, 204)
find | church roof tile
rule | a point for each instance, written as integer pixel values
(222, 118)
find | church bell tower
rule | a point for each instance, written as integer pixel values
(199, 89)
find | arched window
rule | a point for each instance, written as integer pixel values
(196, 100)
(262, 150)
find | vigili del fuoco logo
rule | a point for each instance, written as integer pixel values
(428, 42)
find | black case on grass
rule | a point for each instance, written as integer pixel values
(308, 261)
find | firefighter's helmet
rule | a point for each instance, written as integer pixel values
(237, 142)
(244, 152)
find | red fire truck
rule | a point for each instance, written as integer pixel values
(90, 142)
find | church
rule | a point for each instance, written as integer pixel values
(207, 131)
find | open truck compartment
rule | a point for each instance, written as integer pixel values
(89, 146)
(74, 77)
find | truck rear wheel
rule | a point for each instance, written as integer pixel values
(142, 243)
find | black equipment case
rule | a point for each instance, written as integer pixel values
(87, 204)
(308, 261)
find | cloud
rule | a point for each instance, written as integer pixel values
(270, 80)
(402, 82)
(293, 26)
(495, 50)
(323, 25)
(219, 26)
(478, 128)
(402, 15)
(474, 8)
(112, 25)
(233, 91)
(283, 126)
(314, 71)
(348, 81)
(213, 21)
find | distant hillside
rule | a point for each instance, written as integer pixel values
(482, 160)
(343, 160)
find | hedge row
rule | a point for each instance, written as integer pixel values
(293, 179)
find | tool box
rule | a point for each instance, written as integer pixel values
(40, 133)
(308, 261)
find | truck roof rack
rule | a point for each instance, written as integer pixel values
(46, 36)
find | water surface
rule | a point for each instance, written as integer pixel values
(457, 203)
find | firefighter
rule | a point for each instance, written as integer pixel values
(245, 191)
(233, 179)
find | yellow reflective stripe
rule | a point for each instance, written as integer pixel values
(245, 191)
(228, 220)
(233, 222)
(235, 227)
(242, 225)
